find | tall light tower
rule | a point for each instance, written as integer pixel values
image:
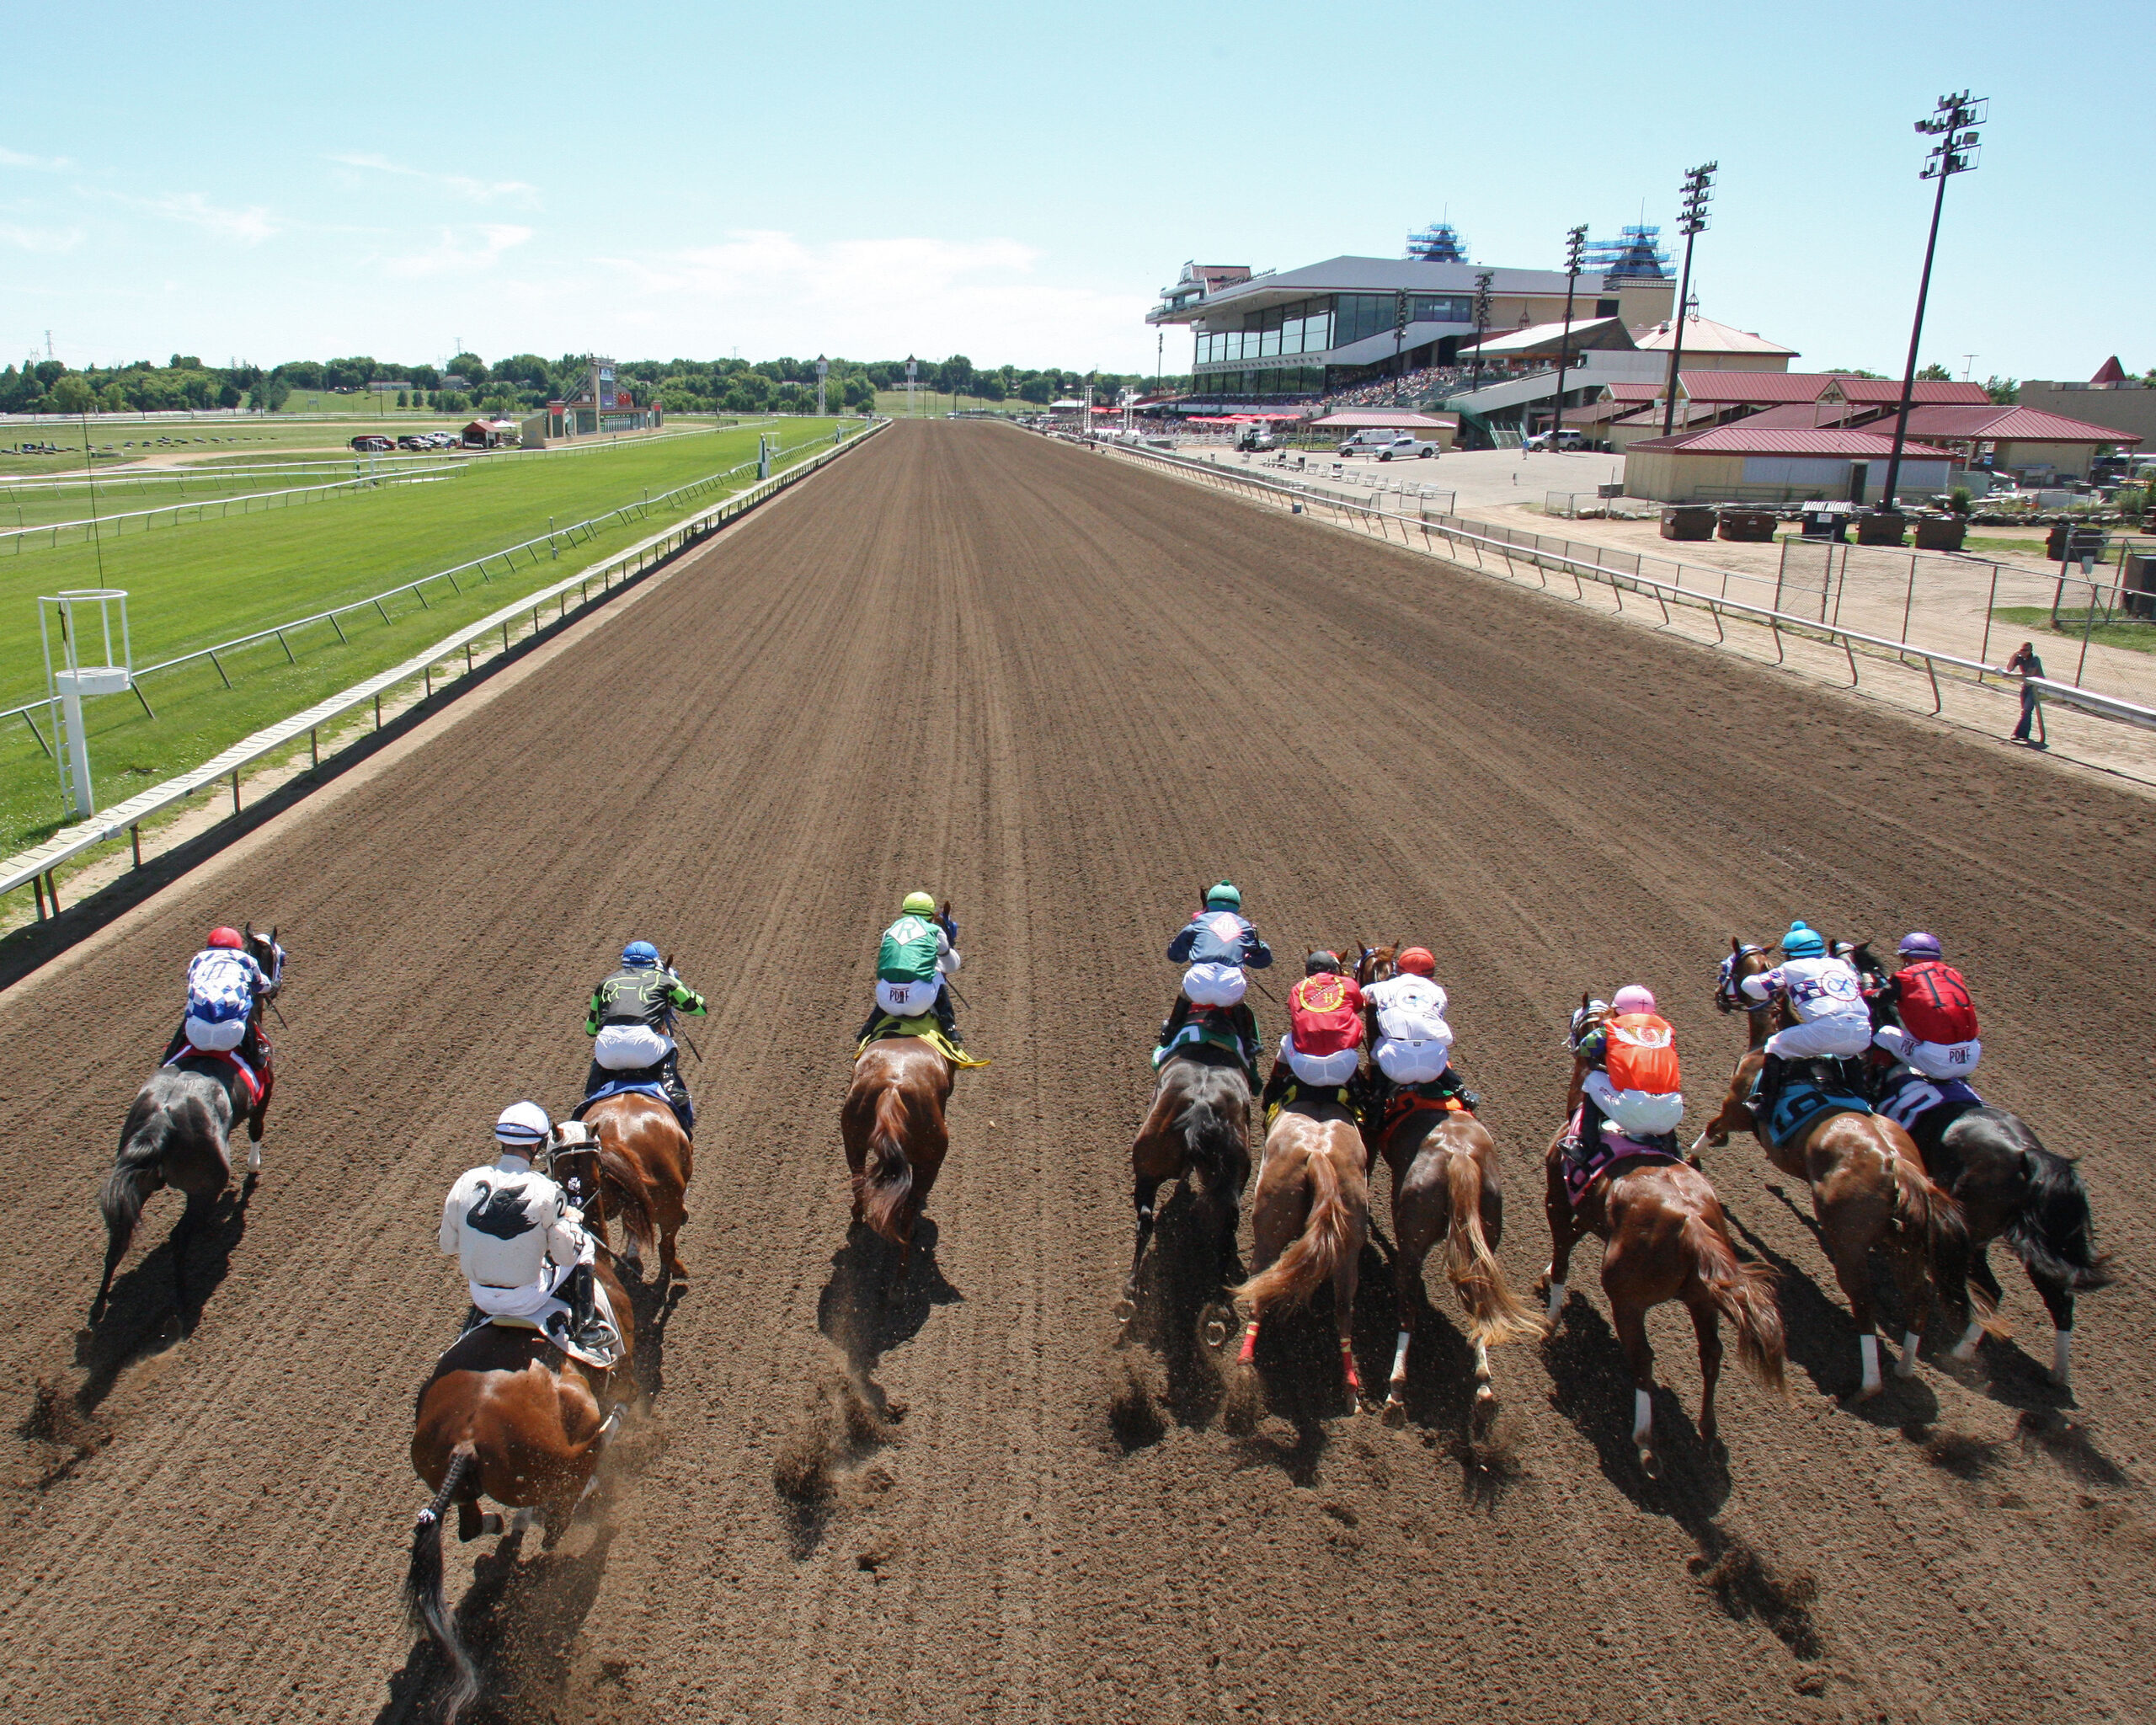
(1481, 323)
(1399, 338)
(823, 375)
(912, 364)
(1692, 219)
(1575, 250)
(1952, 122)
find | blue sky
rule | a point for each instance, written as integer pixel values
(1016, 183)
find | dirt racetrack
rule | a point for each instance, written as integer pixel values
(1064, 691)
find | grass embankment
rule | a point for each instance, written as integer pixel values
(206, 583)
(2121, 631)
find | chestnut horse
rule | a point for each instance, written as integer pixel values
(1309, 1220)
(1867, 1189)
(895, 1138)
(1445, 1187)
(1198, 1129)
(636, 1171)
(507, 1415)
(1664, 1239)
(178, 1134)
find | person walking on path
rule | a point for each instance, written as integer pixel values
(2025, 665)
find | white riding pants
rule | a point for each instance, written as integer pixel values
(1935, 1060)
(624, 1048)
(532, 1298)
(1637, 1113)
(1413, 1062)
(220, 1038)
(1215, 985)
(1324, 1070)
(1841, 1038)
(909, 999)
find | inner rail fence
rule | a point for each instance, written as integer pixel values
(1498, 550)
(203, 508)
(37, 867)
(552, 541)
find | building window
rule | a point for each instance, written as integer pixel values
(1605, 308)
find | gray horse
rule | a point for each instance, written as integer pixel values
(178, 1134)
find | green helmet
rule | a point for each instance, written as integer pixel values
(1224, 897)
(919, 905)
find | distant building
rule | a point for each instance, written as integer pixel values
(1709, 346)
(2110, 398)
(2022, 440)
(1745, 463)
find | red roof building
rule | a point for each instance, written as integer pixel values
(2023, 439)
(1747, 463)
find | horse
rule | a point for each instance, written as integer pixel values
(1445, 1186)
(178, 1134)
(1309, 1220)
(2012, 1189)
(1663, 1239)
(1869, 1189)
(506, 1414)
(1197, 1130)
(635, 1169)
(895, 1138)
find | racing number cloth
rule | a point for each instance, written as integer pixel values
(1934, 1003)
(1324, 1014)
(1641, 1054)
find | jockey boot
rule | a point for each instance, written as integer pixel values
(677, 1092)
(946, 1017)
(1769, 1084)
(579, 1291)
(1450, 1083)
(1178, 1015)
(1276, 1084)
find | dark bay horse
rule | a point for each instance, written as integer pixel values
(507, 1415)
(1309, 1221)
(1197, 1130)
(1869, 1189)
(2012, 1189)
(636, 1172)
(895, 1135)
(178, 1134)
(1664, 1239)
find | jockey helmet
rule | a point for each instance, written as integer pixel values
(1320, 961)
(919, 905)
(1416, 961)
(1633, 998)
(1920, 945)
(226, 937)
(1803, 942)
(639, 952)
(1223, 897)
(523, 1126)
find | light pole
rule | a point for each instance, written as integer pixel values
(823, 372)
(1952, 123)
(1575, 248)
(1481, 325)
(1692, 218)
(1399, 337)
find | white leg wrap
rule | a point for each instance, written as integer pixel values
(1400, 1359)
(1906, 1366)
(1642, 1415)
(1557, 1302)
(1867, 1345)
(2062, 1353)
(1970, 1336)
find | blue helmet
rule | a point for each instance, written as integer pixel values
(1803, 942)
(639, 952)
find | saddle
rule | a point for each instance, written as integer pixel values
(1297, 1091)
(925, 1029)
(250, 1080)
(1209, 1026)
(630, 1083)
(1811, 1092)
(1925, 1108)
(551, 1322)
(1588, 1155)
(1445, 1095)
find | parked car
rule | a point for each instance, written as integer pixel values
(1253, 439)
(415, 439)
(369, 443)
(1388, 446)
(1566, 439)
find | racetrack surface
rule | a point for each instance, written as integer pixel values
(1065, 692)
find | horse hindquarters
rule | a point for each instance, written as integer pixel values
(425, 1603)
(884, 1187)
(1498, 1313)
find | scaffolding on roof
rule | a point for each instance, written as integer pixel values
(1438, 244)
(1635, 254)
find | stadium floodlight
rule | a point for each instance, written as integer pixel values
(1575, 256)
(1953, 121)
(823, 372)
(1691, 222)
(1482, 322)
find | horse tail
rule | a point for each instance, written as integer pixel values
(1209, 1144)
(1926, 1210)
(1313, 1256)
(1744, 1294)
(136, 1173)
(1499, 1314)
(2052, 1233)
(425, 1605)
(622, 1183)
(886, 1182)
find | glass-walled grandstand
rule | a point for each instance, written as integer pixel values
(1312, 326)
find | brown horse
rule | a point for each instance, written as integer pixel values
(636, 1171)
(1445, 1186)
(1869, 1189)
(1198, 1129)
(895, 1138)
(1309, 1220)
(1664, 1239)
(506, 1415)
(178, 1134)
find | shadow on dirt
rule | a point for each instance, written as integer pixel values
(865, 1310)
(1181, 1289)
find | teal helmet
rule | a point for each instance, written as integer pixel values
(1223, 897)
(1803, 942)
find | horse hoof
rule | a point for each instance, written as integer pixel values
(1125, 1310)
(1216, 1333)
(1867, 1393)
(1396, 1411)
(1650, 1464)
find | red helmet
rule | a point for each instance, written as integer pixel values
(226, 937)
(1417, 961)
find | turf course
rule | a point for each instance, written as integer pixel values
(201, 584)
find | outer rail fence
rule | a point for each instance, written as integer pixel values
(1485, 545)
(37, 867)
(552, 540)
(201, 507)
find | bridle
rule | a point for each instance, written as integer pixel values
(1728, 998)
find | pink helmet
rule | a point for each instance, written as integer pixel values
(1632, 998)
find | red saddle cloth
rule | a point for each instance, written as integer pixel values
(250, 1080)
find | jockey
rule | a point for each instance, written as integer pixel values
(916, 954)
(226, 989)
(1937, 1034)
(1410, 1040)
(1825, 998)
(629, 1018)
(521, 1242)
(1218, 944)
(1626, 1069)
(1323, 1048)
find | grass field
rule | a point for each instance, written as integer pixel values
(203, 584)
(2140, 637)
(892, 403)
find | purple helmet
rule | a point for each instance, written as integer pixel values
(1920, 945)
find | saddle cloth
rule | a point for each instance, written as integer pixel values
(1317, 1093)
(1914, 1095)
(1804, 1102)
(927, 1029)
(1433, 1096)
(1204, 1025)
(551, 1319)
(628, 1084)
(1612, 1147)
(250, 1080)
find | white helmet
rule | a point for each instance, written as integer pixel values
(523, 1126)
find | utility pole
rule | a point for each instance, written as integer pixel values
(1575, 250)
(1692, 218)
(1481, 325)
(823, 372)
(1159, 356)
(1952, 122)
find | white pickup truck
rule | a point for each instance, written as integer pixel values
(1388, 446)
